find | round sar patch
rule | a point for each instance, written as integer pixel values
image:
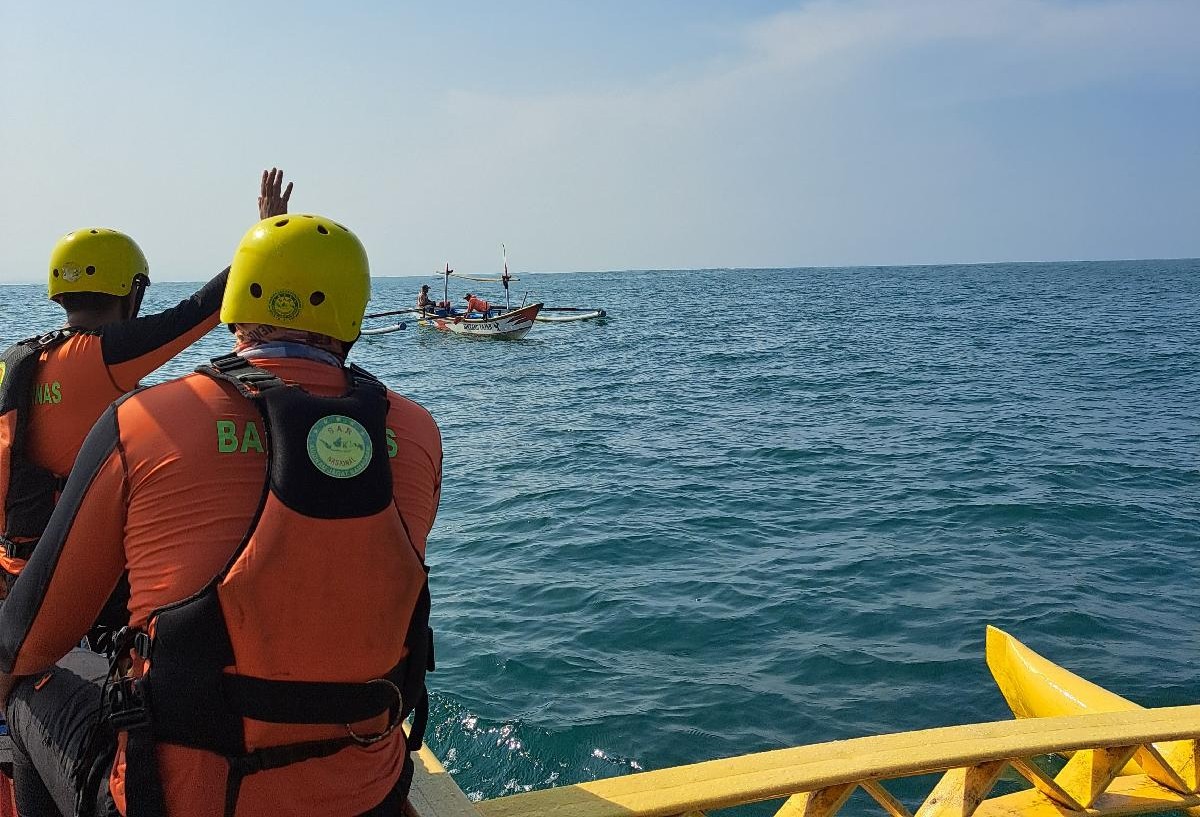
(284, 305)
(339, 446)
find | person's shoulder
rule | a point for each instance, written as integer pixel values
(403, 411)
(193, 389)
(408, 408)
(78, 341)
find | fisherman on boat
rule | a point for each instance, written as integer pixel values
(476, 305)
(272, 511)
(424, 302)
(53, 387)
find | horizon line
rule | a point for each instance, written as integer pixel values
(26, 282)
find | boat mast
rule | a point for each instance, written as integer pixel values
(504, 278)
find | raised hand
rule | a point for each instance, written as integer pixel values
(272, 202)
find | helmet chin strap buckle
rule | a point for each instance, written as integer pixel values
(396, 718)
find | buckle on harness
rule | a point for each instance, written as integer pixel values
(142, 644)
(126, 703)
(396, 718)
(17, 550)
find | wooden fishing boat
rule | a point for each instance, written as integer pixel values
(499, 323)
(1098, 730)
(512, 325)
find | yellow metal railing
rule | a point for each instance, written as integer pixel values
(817, 780)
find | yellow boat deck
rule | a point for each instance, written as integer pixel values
(816, 780)
(1128, 762)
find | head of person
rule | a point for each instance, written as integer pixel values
(425, 287)
(98, 276)
(301, 278)
(468, 297)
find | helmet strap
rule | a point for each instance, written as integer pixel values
(133, 300)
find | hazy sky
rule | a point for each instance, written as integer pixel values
(609, 135)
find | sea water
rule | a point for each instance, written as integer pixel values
(754, 509)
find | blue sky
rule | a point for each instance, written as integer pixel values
(615, 135)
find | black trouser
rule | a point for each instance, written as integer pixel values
(62, 746)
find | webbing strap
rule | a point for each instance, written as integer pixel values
(143, 788)
(247, 378)
(18, 550)
(416, 735)
(49, 339)
(274, 757)
(250, 380)
(263, 699)
(361, 377)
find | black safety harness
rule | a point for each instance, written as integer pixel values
(187, 697)
(30, 497)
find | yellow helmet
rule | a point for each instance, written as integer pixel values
(95, 260)
(299, 271)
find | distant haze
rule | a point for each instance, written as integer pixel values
(622, 135)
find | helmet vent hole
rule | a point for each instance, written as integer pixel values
(342, 227)
(95, 232)
(321, 229)
(317, 298)
(91, 270)
(306, 215)
(281, 222)
(255, 291)
(55, 273)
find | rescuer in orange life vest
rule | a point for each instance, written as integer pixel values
(476, 305)
(272, 511)
(54, 387)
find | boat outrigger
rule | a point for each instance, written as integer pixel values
(550, 314)
(388, 329)
(1124, 760)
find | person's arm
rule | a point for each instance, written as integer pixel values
(78, 561)
(134, 348)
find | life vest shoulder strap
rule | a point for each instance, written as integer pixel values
(361, 377)
(248, 379)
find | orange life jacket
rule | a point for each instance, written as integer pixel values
(285, 636)
(27, 491)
